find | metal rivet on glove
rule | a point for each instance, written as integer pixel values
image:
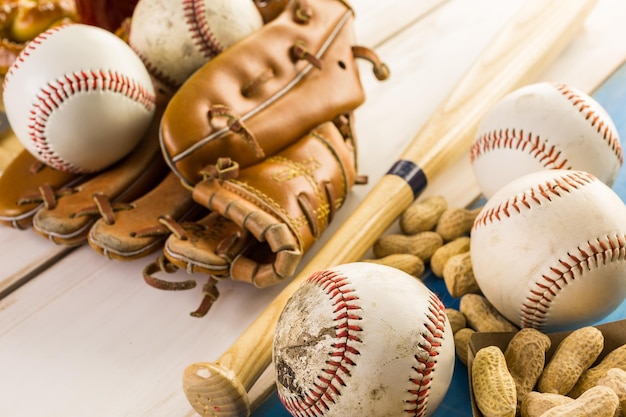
(302, 13)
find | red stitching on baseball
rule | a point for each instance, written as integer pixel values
(596, 121)
(534, 145)
(30, 46)
(553, 188)
(550, 157)
(427, 358)
(162, 77)
(573, 265)
(204, 39)
(339, 363)
(56, 92)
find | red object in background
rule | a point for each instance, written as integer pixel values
(107, 14)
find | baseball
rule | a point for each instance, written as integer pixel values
(78, 98)
(174, 38)
(363, 339)
(544, 126)
(548, 250)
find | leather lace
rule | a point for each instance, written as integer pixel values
(104, 208)
(210, 292)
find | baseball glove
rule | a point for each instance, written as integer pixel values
(267, 90)
(263, 218)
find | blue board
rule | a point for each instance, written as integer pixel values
(612, 96)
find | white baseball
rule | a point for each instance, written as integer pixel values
(544, 126)
(549, 250)
(78, 98)
(362, 339)
(175, 38)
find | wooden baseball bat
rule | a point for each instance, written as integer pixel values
(533, 38)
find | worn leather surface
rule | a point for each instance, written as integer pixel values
(282, 204)
(138, 230)
(20, 182)
(290, 96)
(203, 249)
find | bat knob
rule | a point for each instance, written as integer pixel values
(213, 390)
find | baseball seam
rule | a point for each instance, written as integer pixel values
(159, 75)
(519, 140)
(339, 362)
(30, 46)
(567, 269)
(427, 360)
(531, 143)
(594, 118)
(536, 196)
(195, 17)
(55, 93)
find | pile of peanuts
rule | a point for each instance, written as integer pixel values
(514, 382)
(432, 233)
(521, 382)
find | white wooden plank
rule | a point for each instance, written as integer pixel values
(23, 255)
(88, 337)
(377, 21)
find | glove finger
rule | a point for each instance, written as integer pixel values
(28, 185)
(209, 247)
(142, 228)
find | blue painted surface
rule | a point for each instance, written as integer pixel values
(612, 96)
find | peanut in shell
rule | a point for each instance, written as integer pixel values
(422, 215)
(445, 252)
(492, 384)
(525, 358)
(573, 356)
(482, 316)
(614, 359)
(422, 244)
(598, 401)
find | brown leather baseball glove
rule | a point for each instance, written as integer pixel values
(268, 90)
(263, 218)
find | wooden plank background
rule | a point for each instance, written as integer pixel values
(85, 336)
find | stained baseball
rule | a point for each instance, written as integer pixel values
(548, 250)
(544, 126)
(78, 98)
(174, 38)
(362, 339)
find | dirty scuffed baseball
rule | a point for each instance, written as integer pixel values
(175, 38)
(363, 339)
